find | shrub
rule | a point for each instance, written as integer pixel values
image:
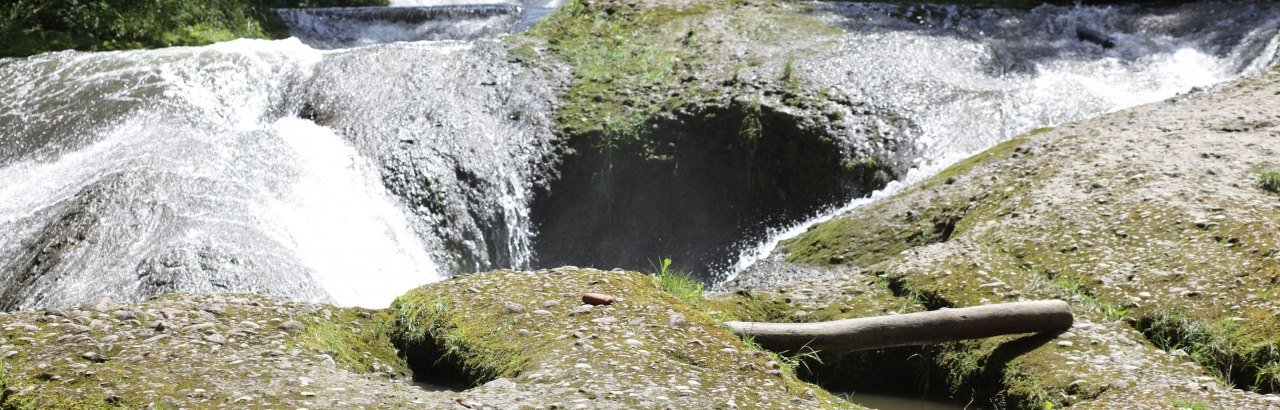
(34, 26)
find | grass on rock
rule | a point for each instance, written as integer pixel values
(1270, 180)
(677, 282)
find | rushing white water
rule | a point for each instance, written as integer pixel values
(342, 27)
(202, 183)
(551, 4)
(271, 167)
(970, 79)
(339, 219)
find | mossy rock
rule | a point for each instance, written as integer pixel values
(522, 327)
(1150, 221)
(202, 351)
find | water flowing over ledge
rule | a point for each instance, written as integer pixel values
(329, 28)
(971, 78)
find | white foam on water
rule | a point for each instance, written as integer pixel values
(1052, 94)
(342, 223)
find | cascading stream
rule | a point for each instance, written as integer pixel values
(184, 170)
(268, 167)
(970, 78)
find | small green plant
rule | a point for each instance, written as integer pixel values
(678, 283)
(625, 132)
(787, 70)
(788, 362)
(751, 128)
(1190, 405)
(1270, 180)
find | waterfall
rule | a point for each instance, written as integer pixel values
(969, 78)
(266, 167)
(340, 27)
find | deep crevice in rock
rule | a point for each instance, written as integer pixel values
(694, 187)
(1238, 365)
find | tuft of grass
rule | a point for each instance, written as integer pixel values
(1233, 353)
(678, 283)
(1270, 181)
(788, 361)
(1190, 405)
(751, 129)
(788, 70)
(627, 132)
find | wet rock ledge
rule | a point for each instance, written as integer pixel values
(526, 339)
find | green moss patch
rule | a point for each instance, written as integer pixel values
(531, 327)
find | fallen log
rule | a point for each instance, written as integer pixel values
(912, 329)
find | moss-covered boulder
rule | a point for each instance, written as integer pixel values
(530, 340)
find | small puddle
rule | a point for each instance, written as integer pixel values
(887, 402)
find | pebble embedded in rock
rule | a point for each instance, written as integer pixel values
(598, 299)
(215, 309)
(293, 326)
(677, 320)
(1065, 343)
(513, 307)
(100, 305)
(93, 357)
(214, 338)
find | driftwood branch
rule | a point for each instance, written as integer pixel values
(912, 329)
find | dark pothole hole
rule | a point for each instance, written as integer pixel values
(696, 187)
